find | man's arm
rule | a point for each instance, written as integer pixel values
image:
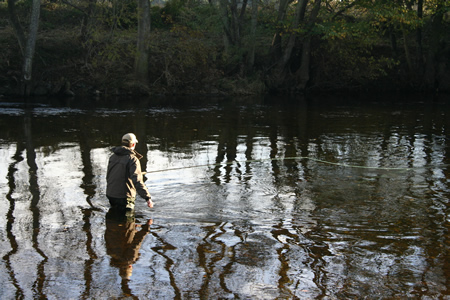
(138, 181)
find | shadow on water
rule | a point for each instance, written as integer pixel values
(254, 198)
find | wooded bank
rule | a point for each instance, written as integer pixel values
(223, 47)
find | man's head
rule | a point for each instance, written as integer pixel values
(129, 140)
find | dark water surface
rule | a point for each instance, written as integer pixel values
(323, 198)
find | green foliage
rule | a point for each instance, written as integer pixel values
(362, 32)
(117, 13)
(156, 18)
(202, 17)
(195, 15)
(432, 7)
(167, 15)
(182, 58)
(350, 63)
(268, 18)
(24, 4)
(55, 16)
(237, 85)
(111, 59)
(105, 50)
(393, 16)
(351, 40)
(3, 14)
(353, 50)
(172, 9)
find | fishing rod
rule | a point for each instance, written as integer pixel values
(286, 158)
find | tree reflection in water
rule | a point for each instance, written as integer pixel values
(248, 223)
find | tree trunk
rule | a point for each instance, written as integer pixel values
(419, 37)
(251, 54)
(430, 81)
(18, 30)
(227, 39)
(86, 29)
(393, 40)
(299, 18)
(303, 72)
(240, 20)
(406, 48)
(235, 28)
(30, 48)
(280, 70)
(276, 50)
(141, 60)
(232, 14)
(232, 22)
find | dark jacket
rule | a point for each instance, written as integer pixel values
(124, 176)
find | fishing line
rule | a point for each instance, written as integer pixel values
(287, 158)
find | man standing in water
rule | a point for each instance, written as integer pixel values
(124, 175)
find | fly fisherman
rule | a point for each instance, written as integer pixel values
(124, 175)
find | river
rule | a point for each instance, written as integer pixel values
(324, 197)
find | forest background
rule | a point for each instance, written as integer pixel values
(223, 47)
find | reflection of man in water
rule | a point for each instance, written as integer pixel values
(124, 175)
(123, 240)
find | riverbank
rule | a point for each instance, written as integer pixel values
(64, 67)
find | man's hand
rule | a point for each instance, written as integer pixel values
(150, 203)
